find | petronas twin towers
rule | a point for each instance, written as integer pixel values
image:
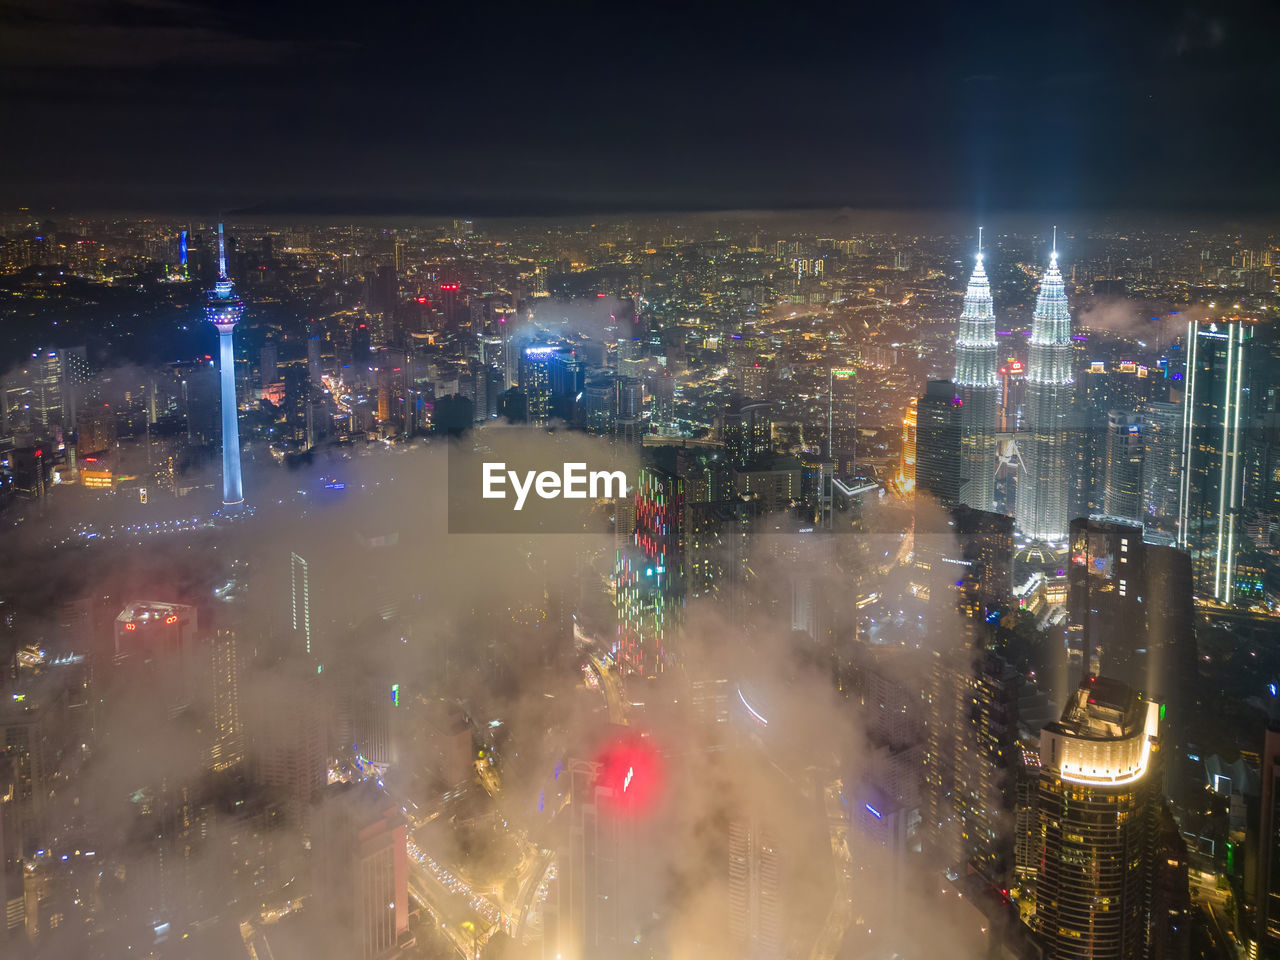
(1041, 512)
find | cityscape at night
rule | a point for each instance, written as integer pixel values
(789, 487)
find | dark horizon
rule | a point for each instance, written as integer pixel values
(149, 105)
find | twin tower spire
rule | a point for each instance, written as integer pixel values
(1041, 511)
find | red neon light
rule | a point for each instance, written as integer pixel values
(631, 769)
(422, 299)
(172, 618)
(131, 626)
(450, 287)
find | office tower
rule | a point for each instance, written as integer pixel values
(984, 540)
(599, 408)
(650, 575)
(1209, 521)
(224, 311)
(842, 419)
(596, 900)
(970, 750)
(753, 382)
(95, 429)
(288, 742)
(268, 363)
(535, 382)
(977, 388)
(907, 458)
(938, 443)
(1170, 893)
(629, 427)
(300, 602)
(1122, 469)
(156, 646)
(1107, 613)
(361, 346)
(1098, 800)
(1042, 488)
(1161, 469)
(362, 882)
(314, 370)
(227, 746)
(755, 889)
(663, 406)
(46, 388)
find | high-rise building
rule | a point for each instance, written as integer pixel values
(1043, 486)
(535, 381)
(1213, 468)
(938, 443)
(362, 886)
(1098, 804)
(1161, 469)
(300, 602)
(907, 457)
(650, 574)
(842, 419)
(227, 735)
(1042, 489)
(224, 310)
(755, 894)
(977, 387)
(1122, 469)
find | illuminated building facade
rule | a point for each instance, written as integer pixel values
(977, 387)
(1098, 804)
(1106, 581)
(842, 419)
(938, 443)
(649, 575)
(1161, 469)
(1122, 469)
(907, 458)
(1209, 522)
(224, 310)
(1043, 486)
(535, 381)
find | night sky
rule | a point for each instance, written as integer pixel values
(469, 108)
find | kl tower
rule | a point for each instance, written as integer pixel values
(224, 310)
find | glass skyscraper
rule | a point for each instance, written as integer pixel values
(1209, 522)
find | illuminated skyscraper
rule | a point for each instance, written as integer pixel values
(1042, 489)
(978, 389)
(224, 311)
(535, 381)
(1213, 468)
(842, 419)
(650, 572)
(1122, 469)
(907, 458)
(1099, 803)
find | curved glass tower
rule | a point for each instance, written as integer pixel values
(976, 386)
(1042, 488)
(224, 310)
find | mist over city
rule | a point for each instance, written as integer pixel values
(698, 483)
